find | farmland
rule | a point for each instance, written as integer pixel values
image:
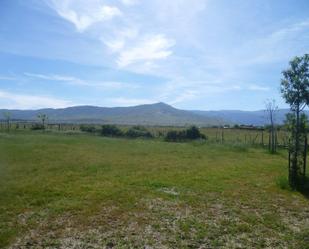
(75, 190)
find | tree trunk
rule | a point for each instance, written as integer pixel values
(269, 141)
(272, 138)
(305, 158)
(293, 174)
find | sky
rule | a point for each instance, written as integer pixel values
(191, 54)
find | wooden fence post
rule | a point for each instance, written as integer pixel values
(305, 158)
(276, 141)
(255, 138)
(289, 161)
(269, 140)
(222, 136)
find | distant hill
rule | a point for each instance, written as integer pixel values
(244, 117)
(152, 114)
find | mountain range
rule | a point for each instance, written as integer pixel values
(151, 114)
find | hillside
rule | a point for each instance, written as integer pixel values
(244, 117)
(152, 114)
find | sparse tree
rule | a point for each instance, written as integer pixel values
(295, 91)
(271, 110)
(7, 116)
(43, 117)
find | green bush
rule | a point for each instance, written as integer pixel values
(37, 127)
(283, 183)
(175, 136)
(138, 131)
(88, 128)
(111, 131)
(191, 133)
(194, 133)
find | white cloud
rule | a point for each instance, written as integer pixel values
(7, 78)
(25, 101)
(84, 14)
(255, 87)
(54, 77)
(128, 39)
(210, 54)
(130, 2)
(184, 96)
(115, 45)
(289, 30)
(120, 38)
(149, 49)
(276, 46)
(80, 82)
(183, 90)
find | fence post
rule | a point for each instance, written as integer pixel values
(222, 136)
(269, 140)
(255, 138)
(276, 141)
(289, 160)
(305, 158)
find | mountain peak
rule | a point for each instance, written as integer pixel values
(162, 104)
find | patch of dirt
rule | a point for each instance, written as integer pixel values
(160, 223)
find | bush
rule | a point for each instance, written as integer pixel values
(194, 133)
(175, 136)
(111, 131)
(191, 133)
(138, 131)
(37, 127)
(87, 128)
(283, 183)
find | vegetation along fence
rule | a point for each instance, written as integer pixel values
(249, 136)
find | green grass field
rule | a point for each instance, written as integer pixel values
(82, 191)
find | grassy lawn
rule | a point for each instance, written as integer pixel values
(78, 191)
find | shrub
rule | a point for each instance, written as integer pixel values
(191, 133)
(37, 127)
(111, 131)
(283, 183)
(87, 128)
(175, 136)
(194, 133)
(138, 131)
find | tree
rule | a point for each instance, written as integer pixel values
(271, 110)
(7, 116)
(111, 131)
(295, 91)
(191, 133)
(138, 131)
(43, 118)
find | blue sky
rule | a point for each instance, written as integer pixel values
(192, 54)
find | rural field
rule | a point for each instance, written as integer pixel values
(81, 191)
